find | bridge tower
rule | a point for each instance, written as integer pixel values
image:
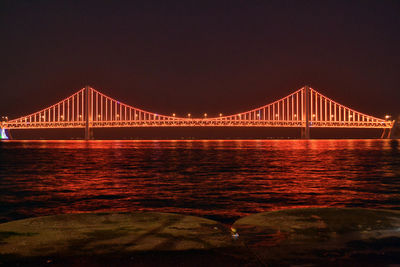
(305, 130)
(88, 115)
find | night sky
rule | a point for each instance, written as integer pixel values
(200, 56)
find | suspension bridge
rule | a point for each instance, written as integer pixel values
(305, 108)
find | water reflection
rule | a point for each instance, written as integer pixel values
(217, 179)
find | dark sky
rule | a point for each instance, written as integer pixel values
(200, 56)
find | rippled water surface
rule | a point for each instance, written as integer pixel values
(222, 180)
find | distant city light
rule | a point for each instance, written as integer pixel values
(3, 134)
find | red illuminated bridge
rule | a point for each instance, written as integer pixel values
(305, 108)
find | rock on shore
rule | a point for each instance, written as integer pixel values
(323, 236)
(101, 239)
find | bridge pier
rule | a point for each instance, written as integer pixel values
(305, 132)
(389, 133)
(384, 134)
(88, 133)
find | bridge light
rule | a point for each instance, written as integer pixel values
(276, 115)
(205, 115)
(387, 117)
(220, 114)
(313, 115)
(332, 116)
(295, 115)
(189, 115)
(173, 114)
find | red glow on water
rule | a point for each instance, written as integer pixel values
(216, 178)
